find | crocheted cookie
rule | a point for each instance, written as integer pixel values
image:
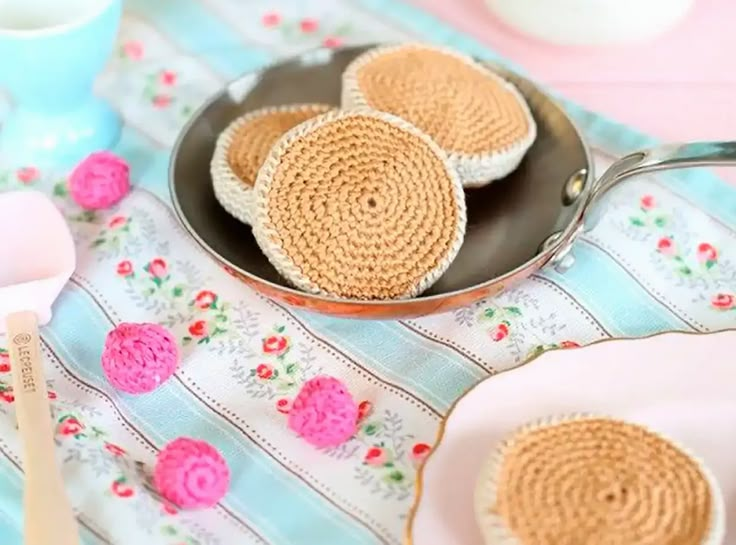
(478, 118)
(359, 204)
(587, 479)
(242, 147)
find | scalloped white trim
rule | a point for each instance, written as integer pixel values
(234, 194)
(475, 170)
(266, 235)
(496, 532)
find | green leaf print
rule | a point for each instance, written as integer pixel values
(370, 429)
(60, 189)
(395, 476)
(291, 369)
(489, 313)
(660, 221)
(513, 310)
(178, 291)
(638, 222)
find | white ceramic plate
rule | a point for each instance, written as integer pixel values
(683, 385)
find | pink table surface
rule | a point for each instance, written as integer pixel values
(681, 86)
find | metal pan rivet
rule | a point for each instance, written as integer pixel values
(574, 187)
(550, 241)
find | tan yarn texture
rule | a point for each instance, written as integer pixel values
(477, 117)
(594, 480)
(242, 148)
(359, 205)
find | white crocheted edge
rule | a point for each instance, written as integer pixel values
(475, 170)
(493, 527)
(234, 194)
(267, 236)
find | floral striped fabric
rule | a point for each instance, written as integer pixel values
(662, 258)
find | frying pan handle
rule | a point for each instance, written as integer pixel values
(672, 156)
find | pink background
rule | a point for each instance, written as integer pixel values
(681, 86)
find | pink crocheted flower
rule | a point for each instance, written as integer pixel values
(191, 474)
(139, 357)
(324, 412)
(99, 181)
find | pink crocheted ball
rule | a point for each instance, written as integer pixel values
(139, 357)
(99, 181)
(191, 474)
(324, 413)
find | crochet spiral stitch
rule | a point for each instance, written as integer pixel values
(243, 146)
(191, 474)
(99, 181)
(324, 413)
(588, 479)
(478, 118)
(359, 204)
(138, 358)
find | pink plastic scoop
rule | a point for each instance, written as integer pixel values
(39, 259)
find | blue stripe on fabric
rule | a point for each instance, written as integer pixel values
(196, 30)
(699, 186)
(621, 305)
(401, 356)
(149, 164)
(11, 498)
(260, 488)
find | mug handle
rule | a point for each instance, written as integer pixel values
(666, 157)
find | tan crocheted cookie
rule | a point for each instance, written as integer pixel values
(595, 480)
(359, 204)
(478, 118)
(243, 146)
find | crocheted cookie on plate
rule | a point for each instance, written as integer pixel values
(242, 147)
(359, 204)
(590, 479)
(478, 118)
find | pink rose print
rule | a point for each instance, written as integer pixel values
(205, 299)
(264, 371)
(169, 509)
(70, 426)
(27, 175)
(6, 394)
(198, 329)
(114, 449)
(157, 268)
(276, 345)
(419, 453)
(723, 301)
(332, 41)
(375, 456)
(168, 77)
(707, 254)
(125, 268)
(500, 332)
(308, 25)
(666, 246)
(4, 362)
(271, 19)
(120, 489)
(283, 405)
(51, 395)
(133, 50)
(647, 202)
(365, 408)
(161, 101)
(117, 222)
(569, 344)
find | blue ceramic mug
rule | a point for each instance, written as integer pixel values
(50, 53)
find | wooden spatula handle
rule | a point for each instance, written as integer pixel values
(49, 519)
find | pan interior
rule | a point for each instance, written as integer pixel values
(507, 220)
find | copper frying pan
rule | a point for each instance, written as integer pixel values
(515, 226)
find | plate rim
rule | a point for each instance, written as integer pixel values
(440, 434)
(564, 237)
